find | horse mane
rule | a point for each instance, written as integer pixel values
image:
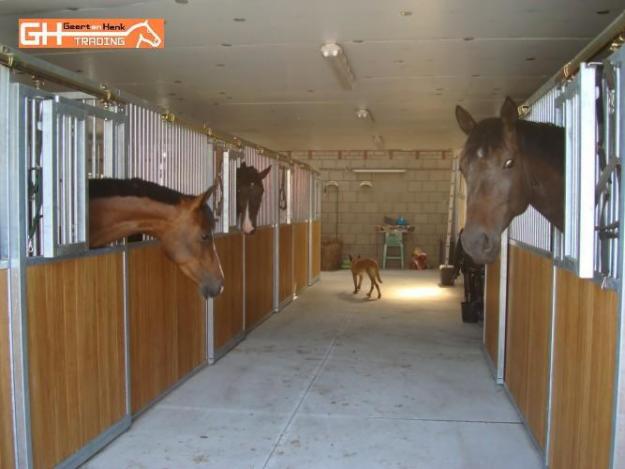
(542, 139)
(135, 187)
(247, 173)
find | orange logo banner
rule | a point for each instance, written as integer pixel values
(109, 33)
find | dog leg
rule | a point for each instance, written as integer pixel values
(371, 289)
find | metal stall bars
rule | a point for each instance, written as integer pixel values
(301, 225)
(168, 153)
(262, 248)
(577, 108)
(314, 267)
(53, 144)
(171, 154)
(588, 107)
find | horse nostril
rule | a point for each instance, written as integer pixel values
(486, 242)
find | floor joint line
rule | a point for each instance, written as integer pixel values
(313, 380)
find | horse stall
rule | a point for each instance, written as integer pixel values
(553, 329)
(91, 338)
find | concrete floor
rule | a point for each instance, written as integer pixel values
(334, 381)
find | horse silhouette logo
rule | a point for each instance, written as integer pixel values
(81, 33)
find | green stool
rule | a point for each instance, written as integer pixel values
(393, 239)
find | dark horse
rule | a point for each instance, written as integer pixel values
(183, 223)
(249, 196)
(508, 164)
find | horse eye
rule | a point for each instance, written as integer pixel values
(508, 164)
(205, 236)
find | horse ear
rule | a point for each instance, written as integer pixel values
(202, 199)
(350, 257)
(509, 112)
(465, 120)
(264, 172)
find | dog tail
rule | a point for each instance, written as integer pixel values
(377, 274)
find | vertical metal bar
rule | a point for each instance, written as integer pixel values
(503, 304)
(275, 201)
(225, 168)
(552, 339)
(49, 173)
(14, 131)
(309, 184)
(617, 459)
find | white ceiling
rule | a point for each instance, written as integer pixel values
(272, 86)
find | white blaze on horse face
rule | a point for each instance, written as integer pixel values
(480, 152)
(248, 227)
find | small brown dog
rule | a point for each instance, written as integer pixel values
(359, 267)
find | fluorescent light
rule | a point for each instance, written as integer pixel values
(335, 56)
(389, 171)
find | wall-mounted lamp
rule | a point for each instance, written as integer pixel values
(330, 184)
(366, 185)
(335, 56)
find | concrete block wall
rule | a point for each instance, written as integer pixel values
(420, 195)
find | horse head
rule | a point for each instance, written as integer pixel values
(497, 187)
(249, 196)
(146, 34)
(190, 244)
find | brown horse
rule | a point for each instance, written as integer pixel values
(508, 164)
(249, 196)
(183, 223)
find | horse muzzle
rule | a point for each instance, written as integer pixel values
(212, 289)
(482, 246)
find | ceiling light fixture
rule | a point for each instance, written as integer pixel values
(364, 114)
(335, 56)
(378, 141)
(405, 13)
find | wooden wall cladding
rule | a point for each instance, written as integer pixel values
(6, 415)
(258, 276)
(167, 324)
(528, 330)
(491, 303)
(286, 262)
(228, 307)
(583, 374)
(76, 353)
(316, 248)
(300, 242)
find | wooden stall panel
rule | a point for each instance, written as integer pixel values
(258, 276)
(286, 262)
(316, 248)
(491, 303)
(300, 246)
(228, 307)
(528, 329)
(6, 415)
(583, 374)
(76, 353)
(167, 324)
